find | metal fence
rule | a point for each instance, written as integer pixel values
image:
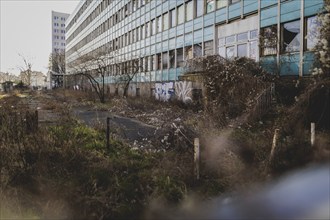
(263, 102)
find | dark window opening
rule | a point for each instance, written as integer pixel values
(291, 36)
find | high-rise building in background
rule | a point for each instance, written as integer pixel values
(163, 34)
(58, 31)
(57, 64)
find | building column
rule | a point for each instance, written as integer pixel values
(302, 38)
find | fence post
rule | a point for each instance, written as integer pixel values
(274, 144)
(312, 134)
(36, 120)
(108, 133)
(196, 157)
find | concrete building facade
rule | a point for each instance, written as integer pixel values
(162, 34)
(58, 31)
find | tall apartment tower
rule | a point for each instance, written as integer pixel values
(58, 31)
(57, 66)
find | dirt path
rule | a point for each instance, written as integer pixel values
(141, 129)
(127, 128)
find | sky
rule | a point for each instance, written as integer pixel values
(25, 28)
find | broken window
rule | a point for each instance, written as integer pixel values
(312, 32)
(198, 50)
(208, 47)
(152, 63)
(165, 60)
(179, 57)
(209, 6)
(159, 24)
(172, 58)
(268, 40)
(188, 52)
(146, 64)
(291, 36)
(159, 61)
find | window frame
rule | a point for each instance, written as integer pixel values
(283, 49)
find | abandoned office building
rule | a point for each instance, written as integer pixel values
(162, 34)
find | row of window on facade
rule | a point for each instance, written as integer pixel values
(59, 31)
(79, 13)
(59, 18)
(57, 25)
(176, 16)
(242, 44)
(185, 12)
(162, 61)
(56, 37)
(58, 44)
(290, 37)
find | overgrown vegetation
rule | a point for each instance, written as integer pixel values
(232, 86)
(65, 171)
(323, 46)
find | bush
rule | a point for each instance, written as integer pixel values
(231, 85)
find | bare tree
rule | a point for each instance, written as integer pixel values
(93, 66)
(129, 69)
(57, 67)
(26, 70)
(97, 65)
(57, 62)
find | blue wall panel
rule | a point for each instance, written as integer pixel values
(209, 19)
(290, 10)
(165, 46)
(268, 16)
(198, 23)
(208, 33)
(289, 64)
(188, 27)
(172, 74)
(250, 6)
(179, 29)
(164, 75)
(172, 32)
(158, 75)
(143, 77)
(308, 65)
(221, 15)
(188, 39)
(179, 41)
(269, 64)
(172, 44)
(179, 72)
(152, 76)
(312, 7)
(234, 10)
(198, 36)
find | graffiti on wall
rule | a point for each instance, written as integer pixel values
(183, 91)
(164, 91)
